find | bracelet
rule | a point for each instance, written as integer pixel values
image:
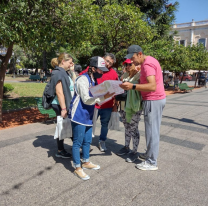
(63, 109)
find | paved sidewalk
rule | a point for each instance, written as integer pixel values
(32, 175)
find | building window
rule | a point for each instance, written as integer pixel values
(182, 42)
(202, 41)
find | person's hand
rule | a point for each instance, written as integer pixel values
(138, 68)
(106, 96)
(126, 85)
(72, 68)
(115, 109)
(133, 72)
(64, 113)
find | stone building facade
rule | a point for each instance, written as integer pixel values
(192, 33)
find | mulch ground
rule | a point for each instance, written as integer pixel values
(25, 116)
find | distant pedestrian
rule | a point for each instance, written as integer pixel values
(176, 80)
(41, 75)
(206, 79)
(154, 99)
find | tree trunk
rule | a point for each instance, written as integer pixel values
(44, 61)
(182, 78)
(3, 68)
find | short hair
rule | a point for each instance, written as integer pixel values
(77, 68)
(112, 56)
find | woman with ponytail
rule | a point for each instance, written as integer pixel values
(63, 86)
(81, 115)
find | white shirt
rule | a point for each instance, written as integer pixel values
(82, 85)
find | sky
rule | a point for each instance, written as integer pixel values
(191, 9)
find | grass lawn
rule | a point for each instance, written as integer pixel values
(23, 95)
(28, 89)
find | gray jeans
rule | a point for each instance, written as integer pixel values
(152, 118)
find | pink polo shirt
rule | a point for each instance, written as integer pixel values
(151, 67)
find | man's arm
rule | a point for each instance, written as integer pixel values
(148, 87)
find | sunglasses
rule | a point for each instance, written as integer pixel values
(128, 64)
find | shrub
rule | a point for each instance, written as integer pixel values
(7, 88)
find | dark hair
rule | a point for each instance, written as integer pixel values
(90, 73)
(112, 56)
(77, 68)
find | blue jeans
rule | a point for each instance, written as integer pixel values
(82, 137)
(105, 115)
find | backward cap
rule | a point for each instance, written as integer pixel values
(99, 63)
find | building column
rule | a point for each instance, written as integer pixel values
(192, 32)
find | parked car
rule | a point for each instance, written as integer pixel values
(186, 77)
(201, 78)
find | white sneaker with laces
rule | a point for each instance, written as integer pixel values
(146, 166)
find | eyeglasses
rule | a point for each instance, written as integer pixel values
(110, 63)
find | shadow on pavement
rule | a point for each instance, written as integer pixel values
(48, 142)
(186, 120)
(113, 147)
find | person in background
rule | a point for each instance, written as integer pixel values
(77, 69)
(105, 110)
(206, 79)
(41, 75)
(166, 80)
(130, 113)
(81, 115)
(154, 99)
(63, 86)
(176, 80)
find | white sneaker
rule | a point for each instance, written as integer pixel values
(146, 166)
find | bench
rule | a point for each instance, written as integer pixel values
(184, 87)
(37, 77)
(49, 113)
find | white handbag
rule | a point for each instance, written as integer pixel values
(95, 115)
(114, 121)
(63, 128)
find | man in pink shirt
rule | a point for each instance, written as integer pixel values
(154, 99)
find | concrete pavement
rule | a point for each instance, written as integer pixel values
(32, 175)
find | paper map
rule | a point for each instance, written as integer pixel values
(110, 86)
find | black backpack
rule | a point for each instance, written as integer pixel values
(46, 98)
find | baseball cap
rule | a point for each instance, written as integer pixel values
(127, 61)
(131, 50)
(99, 63)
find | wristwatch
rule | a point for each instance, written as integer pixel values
(134, 86)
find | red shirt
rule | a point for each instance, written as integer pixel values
(110, 75)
